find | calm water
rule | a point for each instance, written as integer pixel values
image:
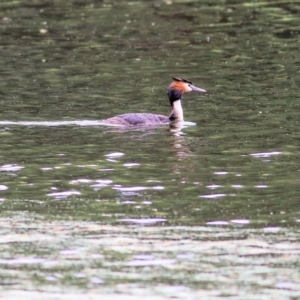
(88, 210)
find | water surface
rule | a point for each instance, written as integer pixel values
(208, 212)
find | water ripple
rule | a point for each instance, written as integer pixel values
(131, 189)
(130, 165)
(240, 221)
(143, 221)
(213, 186)
(272, 229)
(265, 154)
(261, 186)
(155, 262)
(82, 123)
(22, 261)
(96, 280)
(217, 223)
(221, 173)
(237, 186)
(286, 285)
(114, 154)
(136, 188)
(61, 195)
(10, 168)
(212, 196)
(3, 187)
(83, 180)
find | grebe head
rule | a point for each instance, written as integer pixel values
(180, 86)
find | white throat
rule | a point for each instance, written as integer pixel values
(177, 112)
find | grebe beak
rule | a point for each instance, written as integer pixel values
(196, 89)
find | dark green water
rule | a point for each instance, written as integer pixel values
(88, 209)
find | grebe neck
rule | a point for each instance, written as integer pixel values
(177, 112)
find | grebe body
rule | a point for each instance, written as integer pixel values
(175, 91)
(134, 119)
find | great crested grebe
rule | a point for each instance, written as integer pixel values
(175, 91)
